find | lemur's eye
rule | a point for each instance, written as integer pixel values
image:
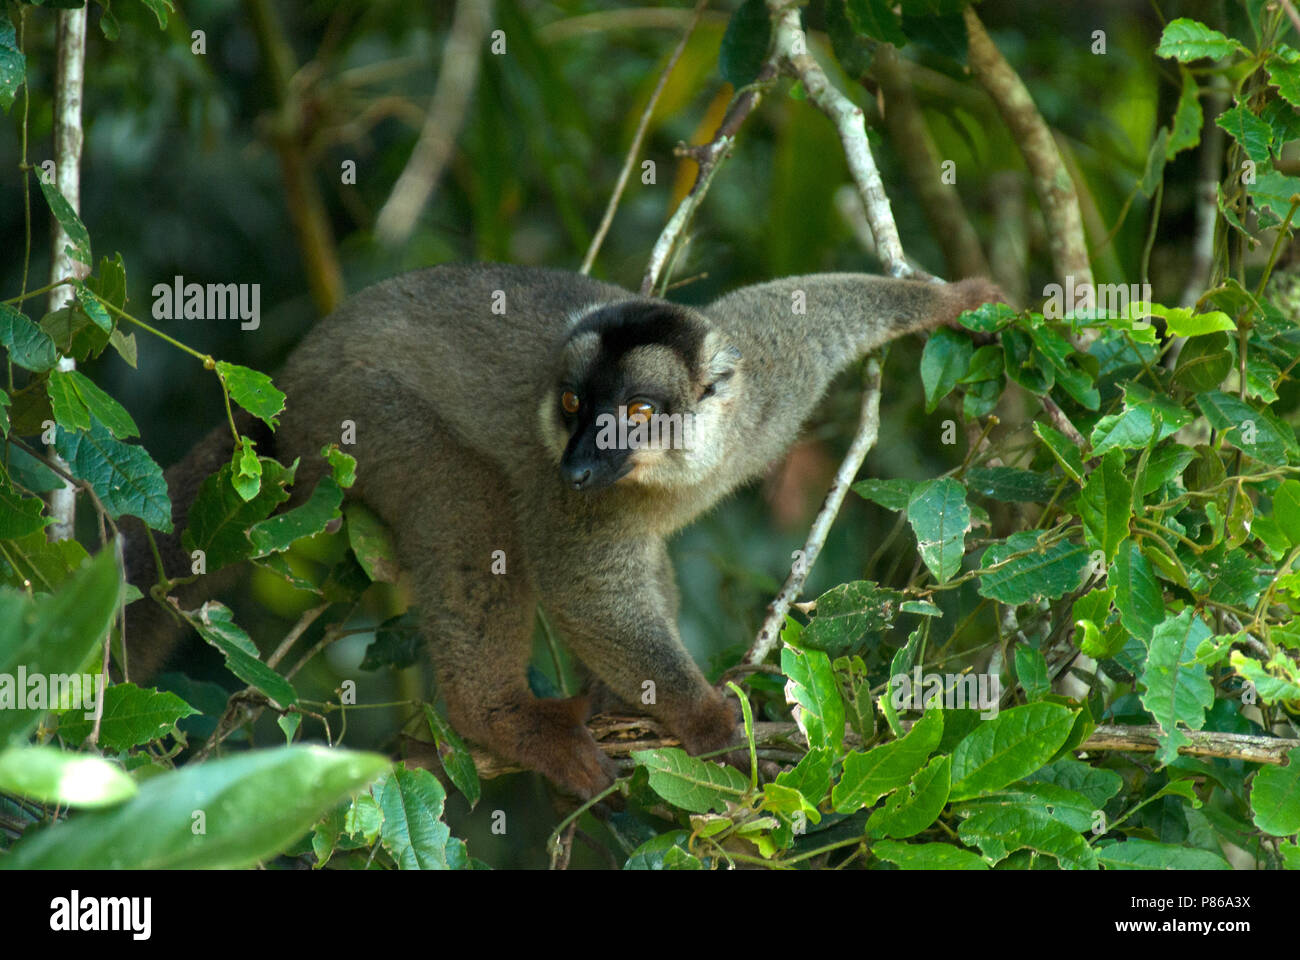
(639, 411)
(569, 401)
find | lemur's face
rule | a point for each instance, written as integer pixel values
(638, 395)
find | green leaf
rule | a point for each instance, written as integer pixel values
(876, 19)
(1186, 129)
(253, 391)
(1177, 686)
(103, 407)
(999, 831)
(811, 776)
(1182, 322)
(66, 406)
(1138, 597)
(690, 784)
(1203, 363)
(342, 465)
(79, 239)
(131, 717)
(1010, 746)
(1106, 504)
(745, 43)
(1052, 800)
(19, 515)
(372, 543)
(1098, 785)
(850, 616)
(279, 532)
(216, 625)
(909, 811)
(413, 832)
(927, 856)
(1273, 191)
(160, 10)
(944, 362)
(92, 308)
(1275, 797)
(1256, 433)
(220, 517)
(13, 65)
(398, 643)
(1137, 854)
(455, 756)
(1252, 133)
(1011, 485)
(29, 346)
(1271, 689)
(1042, 572)
(1162, 466)
(1286, 77)
(252, 806)
(124, 477)
(869, 776)
(1185, 40)
(1031, 671)
(890, 494)
(940, 517)
(1286, 510)
(53, 776)
(815, 690)
(1063, 449)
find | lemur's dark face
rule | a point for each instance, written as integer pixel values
(637, 390)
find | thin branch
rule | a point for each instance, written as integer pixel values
(863, 441)
(635, 149)
(791, 51)
(456, 82)
(1055, 189)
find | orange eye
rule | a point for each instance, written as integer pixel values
(569, 401)
(639, 412)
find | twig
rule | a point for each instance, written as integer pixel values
(791, 51)
(1055, 189)
(863, 441)
(456, 82)
(635, 149)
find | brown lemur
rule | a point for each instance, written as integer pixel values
(479, 395)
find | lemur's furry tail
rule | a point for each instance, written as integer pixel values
(152, 633)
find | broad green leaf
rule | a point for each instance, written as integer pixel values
(1163, 465)
(1012, 745)
(342, 465)
(1257, 433)
(1098, 785)
(1185, 40)
(216, 625)
(1271, 689)
(413, 832)
(812, 685)
(78, 238)
(745, 43)
(690, 784)
(1273, 191)
(92, 308)
(1031, 671)
(124, 477)
(160, 9)
(869, 776)
(1275, 797)
(1056, 802)
(131, 717)
(1069, 456)
(220, 518)
(1286, 77)
(250, 806)
(999, 831)
(927, 856)
(877, 19)
(69, 412)
(455, 756)
(280, 531)
(652, 854)
(940, 518)
(253, 391)
(811, 776)
(1106, 504)
(910, 810)
(890, 494)
(1011, 485)
(29, 346)
(13, 65)
(1203, 362)
(19, 515)
(1182, 322)
(372, 543)
(1154, 171)
(53, 637)
(1252, 133)
(1286, 510)
(1138, 596)
(944, 362)
(1042, 572)
(104, 408)
(53, 776)
(1177, 687)
(1186, 128)
(1137, 854)
(850, 616)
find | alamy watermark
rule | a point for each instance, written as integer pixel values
(179, 300)
(1092, 301)
(951, 691)
(51, 691)
(656, 431)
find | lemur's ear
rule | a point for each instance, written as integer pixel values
(721, 359)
